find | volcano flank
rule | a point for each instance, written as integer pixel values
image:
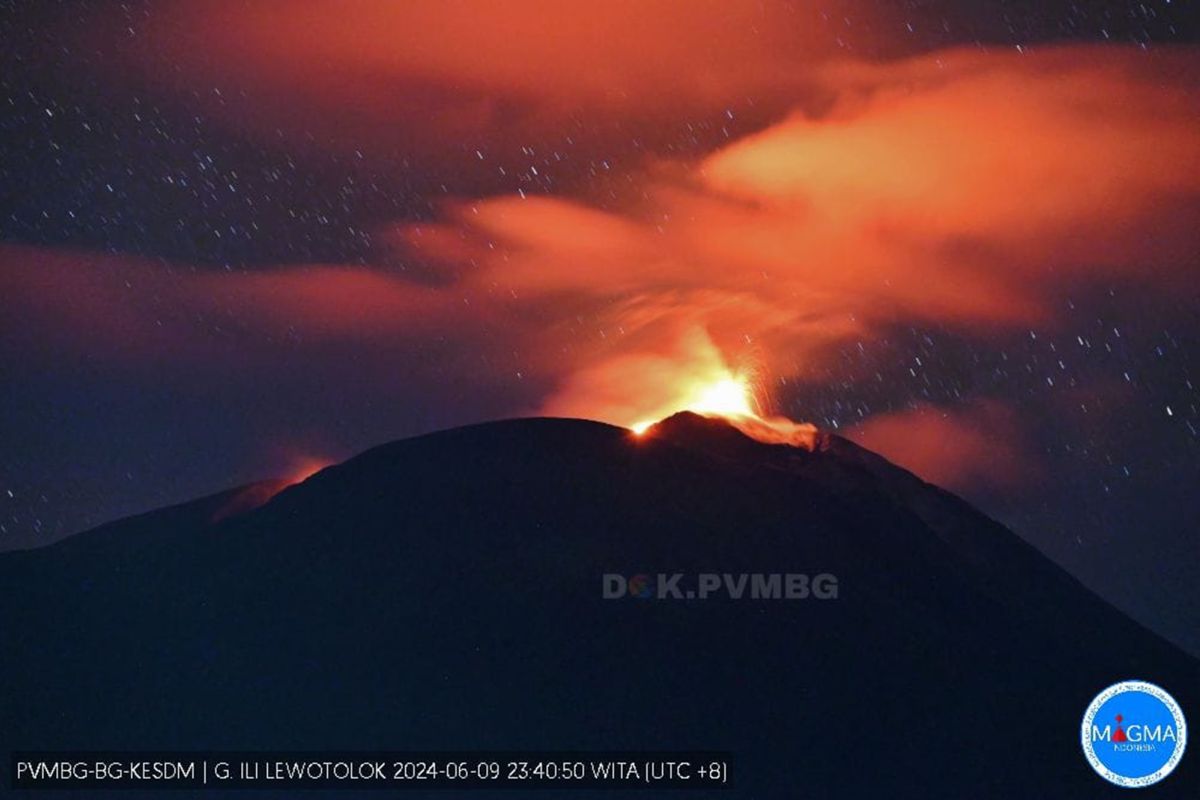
(446, 592)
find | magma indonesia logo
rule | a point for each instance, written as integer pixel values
(1134, 734)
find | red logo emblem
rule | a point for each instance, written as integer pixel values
(1119, 734)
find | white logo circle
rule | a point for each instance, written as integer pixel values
(1115, 766)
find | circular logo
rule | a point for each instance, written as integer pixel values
(1133, 734)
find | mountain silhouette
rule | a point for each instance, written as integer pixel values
(446, 592)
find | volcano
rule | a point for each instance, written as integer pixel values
(447, 592)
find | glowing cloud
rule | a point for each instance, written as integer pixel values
(965, 190)
(475, 70)
(979, 446)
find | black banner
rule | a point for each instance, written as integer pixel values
(371, 770)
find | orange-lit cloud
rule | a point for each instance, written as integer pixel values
(139, 308)
(962, 189)
(1021, 154)
(426, 72)
(981, 446)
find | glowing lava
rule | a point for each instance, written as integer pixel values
(730, 397)
(636, 390)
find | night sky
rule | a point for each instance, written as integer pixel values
(240, 240)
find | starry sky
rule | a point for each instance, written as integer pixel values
(237, 241)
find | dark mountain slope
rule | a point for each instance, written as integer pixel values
(445, 592)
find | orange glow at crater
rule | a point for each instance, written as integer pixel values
(638, 390)
(730, 397)
(732, 400)
(726, 397)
